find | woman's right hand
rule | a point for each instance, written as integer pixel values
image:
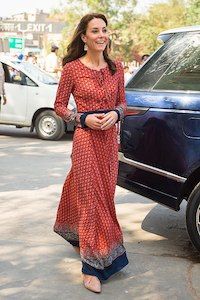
(93, 121)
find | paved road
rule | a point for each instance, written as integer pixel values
(35, 263)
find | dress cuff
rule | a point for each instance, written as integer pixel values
(72, 116)
(120, 111)
(118, 114)
(82, 120)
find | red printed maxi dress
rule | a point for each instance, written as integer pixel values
(86, 214)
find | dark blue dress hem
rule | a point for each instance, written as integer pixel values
(119, 263)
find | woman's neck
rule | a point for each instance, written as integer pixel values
(94, 59)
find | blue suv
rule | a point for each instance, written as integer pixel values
(159, 156)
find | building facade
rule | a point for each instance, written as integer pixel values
(30, 32)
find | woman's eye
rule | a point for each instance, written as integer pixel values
(96, 31)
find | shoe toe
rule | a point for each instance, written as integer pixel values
(93, 285)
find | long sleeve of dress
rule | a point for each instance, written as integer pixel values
(65, 88)
(121, 99)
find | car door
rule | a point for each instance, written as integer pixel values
(14, 111)
(163, 102)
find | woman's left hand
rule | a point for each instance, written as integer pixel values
(109, 120)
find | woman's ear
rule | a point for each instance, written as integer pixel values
(83, 38)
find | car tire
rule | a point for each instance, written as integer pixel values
(193, 216)
(49, 126)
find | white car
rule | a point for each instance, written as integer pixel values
(30, 94)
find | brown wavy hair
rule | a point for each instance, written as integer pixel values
(76, 48)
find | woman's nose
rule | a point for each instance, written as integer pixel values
(102, 34)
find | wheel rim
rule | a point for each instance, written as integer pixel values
(198, 219)
(48, 126)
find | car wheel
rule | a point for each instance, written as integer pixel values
(193, 216)
(49, 126)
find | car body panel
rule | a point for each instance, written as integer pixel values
(142, 182)
(12, 111)
(169, 126)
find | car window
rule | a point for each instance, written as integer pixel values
(30, 82)
(15, 76)
(184, 73)
(149, 75)
(12, 75)
(37, 73)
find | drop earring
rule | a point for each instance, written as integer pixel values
(85, 47)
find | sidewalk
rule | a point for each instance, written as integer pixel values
(35, 263)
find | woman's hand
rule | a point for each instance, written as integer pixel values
(94, 121)
(109, 120)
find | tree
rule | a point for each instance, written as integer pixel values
(132, 34)
(160, 17)
(193, 12)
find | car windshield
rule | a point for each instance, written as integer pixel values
(37, 73)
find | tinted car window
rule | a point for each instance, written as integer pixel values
(12, 75)
(16, 77)
(184, 73)
(150, 75)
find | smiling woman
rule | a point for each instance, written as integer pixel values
(96, 36)
(86, 215)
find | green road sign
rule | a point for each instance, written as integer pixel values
(16, 43)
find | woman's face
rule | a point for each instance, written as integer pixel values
(96, 36)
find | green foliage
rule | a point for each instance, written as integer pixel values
(71, 13)
(132, 34)
(160, 17)
(193, 13)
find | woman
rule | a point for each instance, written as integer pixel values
(86, 215)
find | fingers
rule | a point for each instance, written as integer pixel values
(108, 121)
(93, 121)
(99, 116)
(96, 125)
(107, 124)
(101, 121)
(110, 115)
(97, 122)
(105, 118)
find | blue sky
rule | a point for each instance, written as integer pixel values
(16, 6)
